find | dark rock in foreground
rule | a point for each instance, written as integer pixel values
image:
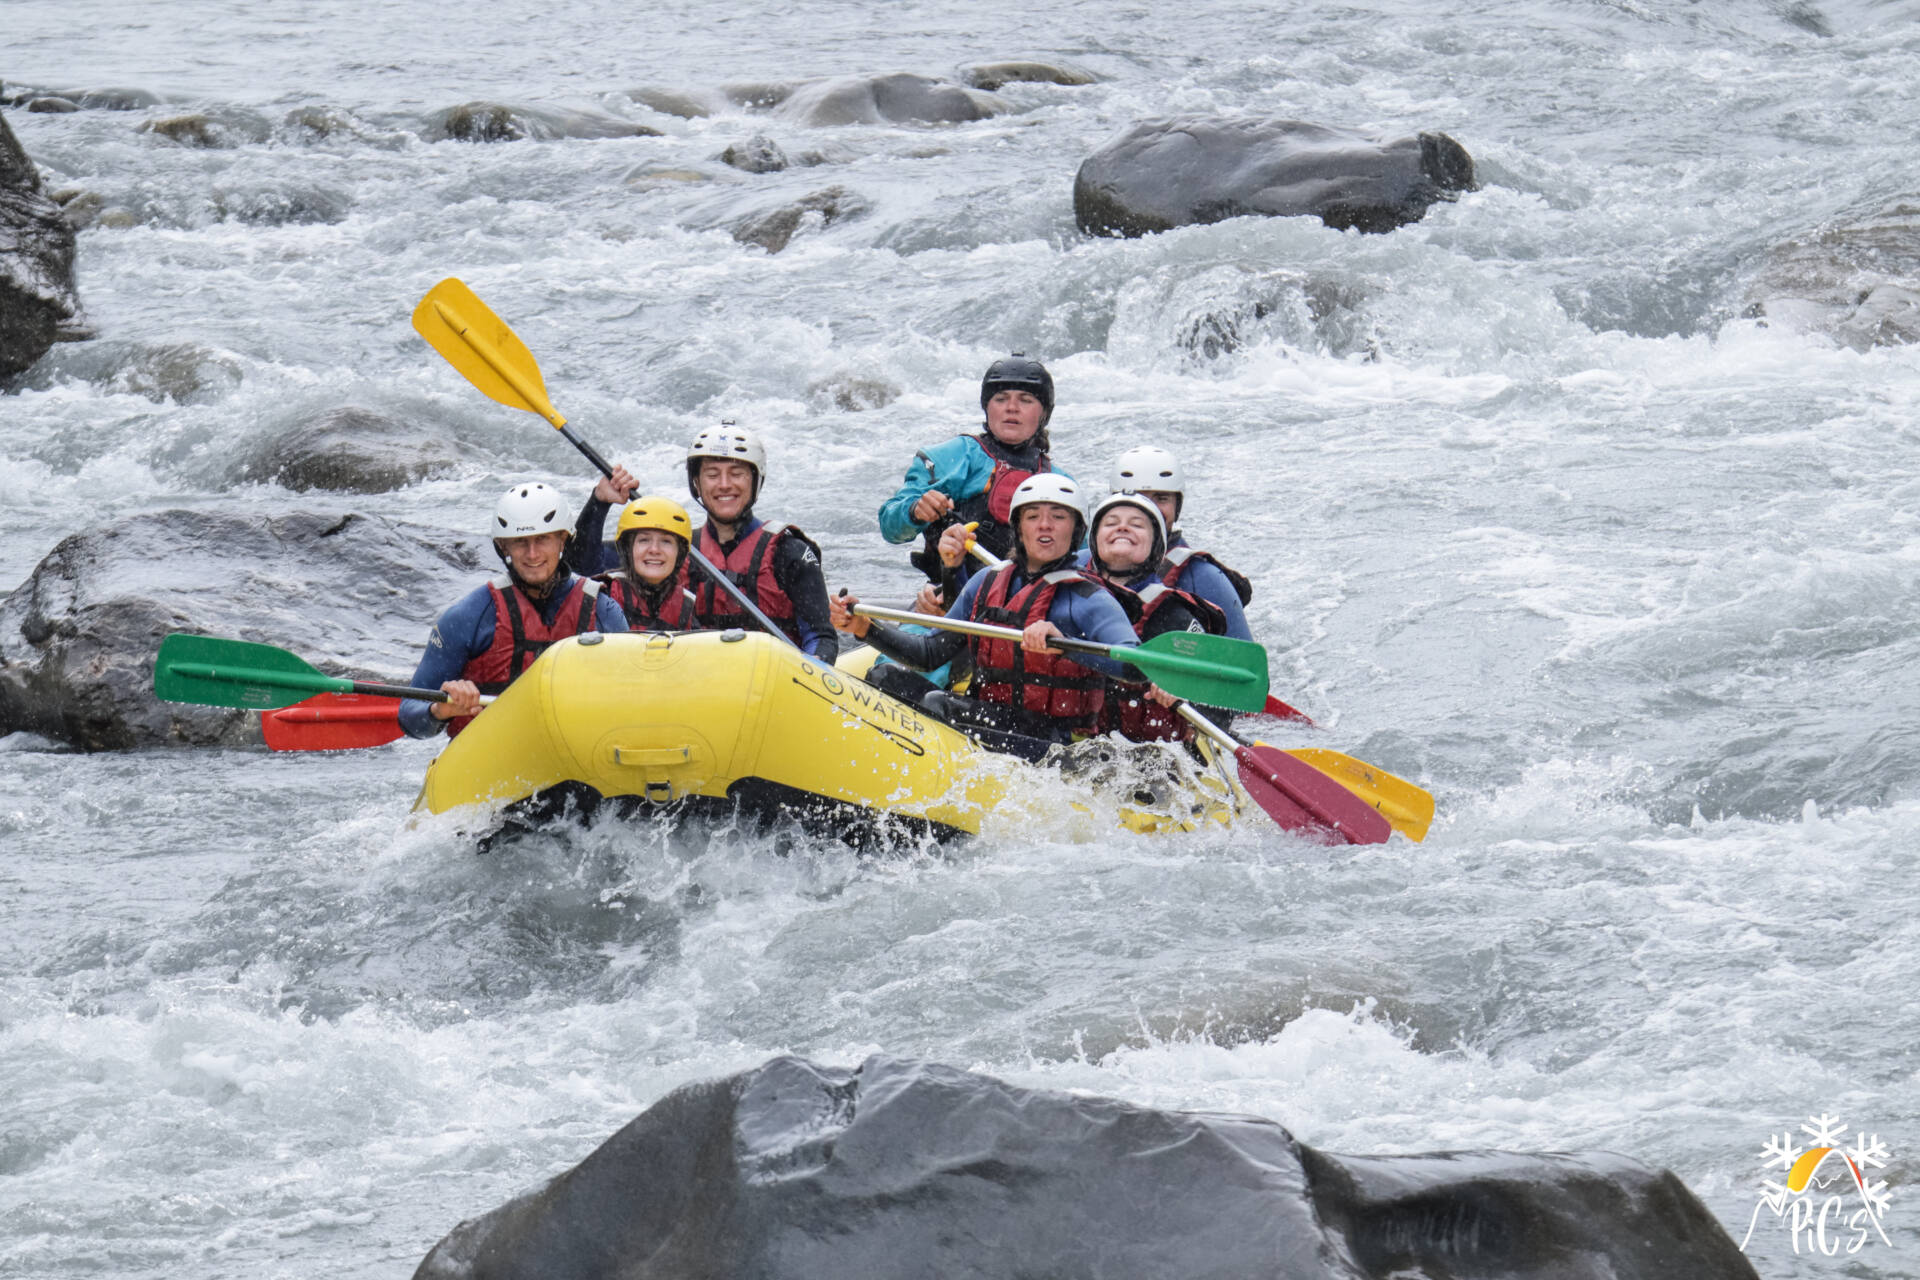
(796, 1171)
(78, 638)
(1162, 174)
(38, 303)
(351, 450)
(1856, 281)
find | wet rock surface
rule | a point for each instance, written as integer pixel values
(758, 154)
(774, 229)
(797, 1171)
(39, 304)
(997, 75)
(350, 450)
(891, 98)
(514, 122)
(1857, 281)
(1182, 170)
(78, 637)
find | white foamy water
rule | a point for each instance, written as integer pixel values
(1538, 519)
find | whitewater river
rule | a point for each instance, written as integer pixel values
(1538, 519)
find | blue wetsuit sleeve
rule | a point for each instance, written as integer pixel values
(1207, 582)
(607, 614)
(463, 633)
(1093, 615)
(958, 468)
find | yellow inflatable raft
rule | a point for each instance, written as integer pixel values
(743, 720)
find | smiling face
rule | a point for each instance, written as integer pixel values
(725, 488)
(1046, 532)
(652, 555)
(1013, 416)
(1123, 539)
(535, 558)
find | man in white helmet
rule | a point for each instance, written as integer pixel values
(488, 637)
(1157, 475)
(1025, 687)
(775, 565)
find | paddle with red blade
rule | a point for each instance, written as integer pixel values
(1297, 796)
(333, 722)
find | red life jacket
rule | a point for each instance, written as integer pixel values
(992, 507)
(749, 567)
(519, 636)
(1047, 684)
(1128, 709)
(1176, 563)
(675, 603)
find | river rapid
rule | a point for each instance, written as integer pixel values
(1538, 518)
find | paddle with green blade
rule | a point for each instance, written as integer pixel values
(213, 672)
(1215, 670)
(487, 353)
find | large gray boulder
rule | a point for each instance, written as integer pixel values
(1175, 172)
(1856, 280)
(355, 595)
(38, 303)
(349, 449)
(795, 1171)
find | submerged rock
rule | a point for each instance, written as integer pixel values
(898, 98)
(758, 154)
(851, 393)
(1175, 172)
(78, 638)
(351, 450)
(996, 75)
(512, 122)
(39, 305)
(798, 1171)
(775, 229)
(193, 130)
(1858, 282)
(53, 106)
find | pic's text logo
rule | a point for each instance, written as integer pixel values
(1828, 1198)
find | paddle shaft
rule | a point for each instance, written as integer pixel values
(536, 402)
(1118, 652)
(315, 683)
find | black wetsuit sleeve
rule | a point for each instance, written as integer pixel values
(797, 569)
(922, 653)
(586, 554)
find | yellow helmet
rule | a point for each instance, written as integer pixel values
(654, 512)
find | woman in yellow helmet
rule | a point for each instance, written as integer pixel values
(651, 583)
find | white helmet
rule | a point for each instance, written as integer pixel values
(1148, 469)
(1049, 486)
(1139, 502)
(531, 507)
(735, 443)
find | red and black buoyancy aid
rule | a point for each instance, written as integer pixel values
(1178, 558)
(1046, 684)
(749, 566)
(992, 507)
(520, 636)
(1155, 610)
(668, 609)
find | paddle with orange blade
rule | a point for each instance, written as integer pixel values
(333, 722)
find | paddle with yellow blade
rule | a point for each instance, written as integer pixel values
(490, 355)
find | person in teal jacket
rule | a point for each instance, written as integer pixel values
(971, 479)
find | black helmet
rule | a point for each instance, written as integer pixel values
(1017, 373)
